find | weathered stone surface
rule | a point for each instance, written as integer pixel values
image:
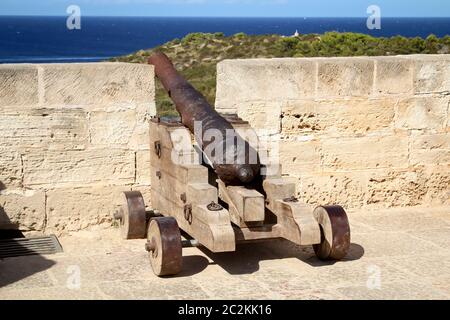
(362, 153)
(78, 125)
(97, 83)
(143, 167)
(106, 166)
(437, 182)
(395, 188)
(242, 80)
(347, 142)
(140, 137)
(432, 74)
(262, 116)
(381, 265)
(400, 188)
(300, 157)
(145, 110)
(394, 291)
(430, 149)
(338, 117)
(438, 236)
(124, 125)
(365, 115)
(22, 209)
(141, 133)
(347, 189)
(425, 113)
(400, 221)
(72, 209)
(19, 85)
(112, 128)
(344, 77)
(10, 168)
(43, 128)
(394, 75)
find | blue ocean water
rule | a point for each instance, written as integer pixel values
(46, 39)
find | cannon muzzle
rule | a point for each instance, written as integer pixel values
(232, 158)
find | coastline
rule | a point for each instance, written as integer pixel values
(45, 39)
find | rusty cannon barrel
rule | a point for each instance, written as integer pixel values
(232, 158)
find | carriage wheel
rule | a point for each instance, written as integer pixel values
(132, 216)
(335, 233)
(164, 246)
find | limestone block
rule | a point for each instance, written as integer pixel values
(394, 188)
(97, 83)
(365, 152)
(430, 149)
(73, 209)
(112, 128)
(43, 128)
(346, 189)
(262, 116)
(19, 85)
(106, 166)
(437, 182)
(337, 118)
(143, 167)
(125, 124)
(145, 110)
(10, 168)
(264, 80)
(389, 188)
(342, 77)
(299, 157)
(428, 113)
(140, 137)
(394, 75)
(431, 74)
(24, 210)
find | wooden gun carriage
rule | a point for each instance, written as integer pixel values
(187, 194)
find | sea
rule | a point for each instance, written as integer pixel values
(40, 39)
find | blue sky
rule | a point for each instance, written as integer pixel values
(248, 8)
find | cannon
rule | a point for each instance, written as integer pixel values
(202, 198)
(193, 109)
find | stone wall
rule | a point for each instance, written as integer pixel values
(359, 131)
(72, 137)
(362, 132)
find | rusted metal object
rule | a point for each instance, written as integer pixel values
(191, 243)
(291, 199)
(164, 246)
(335, 233)
(188, 213)
(132, 216)
(193, 107)
(214, 207)
(158, 148)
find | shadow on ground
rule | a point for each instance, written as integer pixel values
(192, 265)
(247, 257)
(10, 272)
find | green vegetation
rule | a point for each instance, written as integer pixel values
(197, 54)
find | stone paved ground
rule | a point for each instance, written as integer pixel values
(395, 254)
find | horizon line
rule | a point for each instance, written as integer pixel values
(212, 16)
